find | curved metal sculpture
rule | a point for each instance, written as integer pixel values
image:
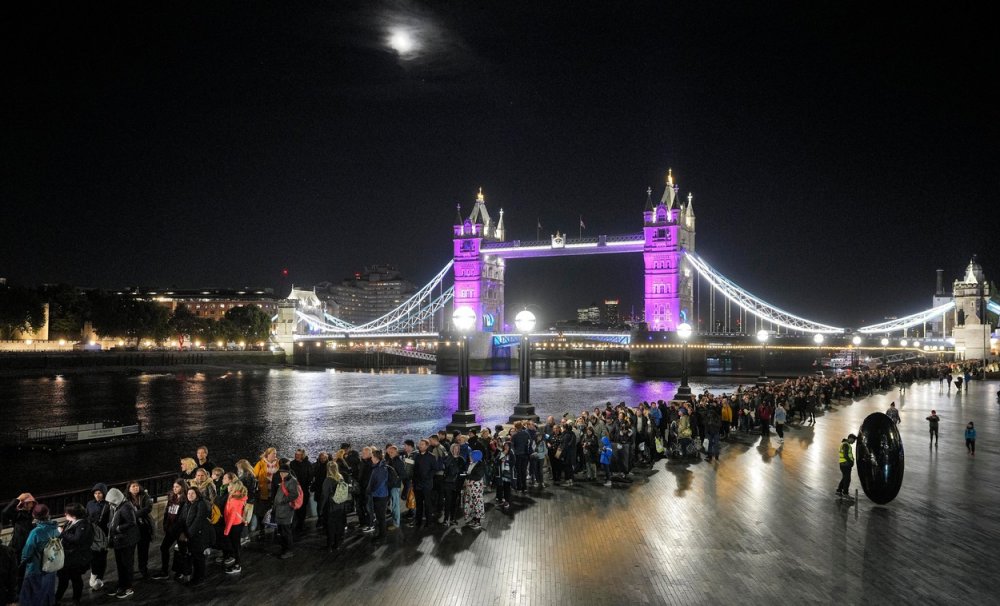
(879, 456)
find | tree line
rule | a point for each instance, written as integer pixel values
(119, 316)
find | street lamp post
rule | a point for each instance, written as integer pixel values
(524, 410)
(885, 343)
(684, 391)
(856, 341)
(463, 419)
(762, 336)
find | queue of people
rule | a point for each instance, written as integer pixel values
(437, 481)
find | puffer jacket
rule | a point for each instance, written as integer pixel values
(283, 512)
(77, 539)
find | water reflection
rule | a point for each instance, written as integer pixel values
(239, 413)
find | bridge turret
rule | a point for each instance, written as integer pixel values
(498, 233)
(647, 214)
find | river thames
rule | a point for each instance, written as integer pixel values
(237, 414)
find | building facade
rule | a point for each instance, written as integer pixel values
(209, 303)
(367, 295)
(668, 229)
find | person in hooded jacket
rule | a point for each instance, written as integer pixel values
(606, 454)
(195, 535)
(318, 475)
(77, 537)
(39, 587)
(99, 514)
(302, 467)
(283, 514)
(123, 536)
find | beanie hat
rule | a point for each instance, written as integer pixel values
(284, 467)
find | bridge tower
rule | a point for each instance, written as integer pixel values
(479, 278)
(668, 228)
(972, 324)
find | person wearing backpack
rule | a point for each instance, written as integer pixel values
(334, 500)
(99, 514)
(77, 539)
(39, 586)
(123, 536)
(284, 499)
(396, 471)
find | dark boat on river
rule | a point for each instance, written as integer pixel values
(67, 438)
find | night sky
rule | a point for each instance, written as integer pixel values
(837, 155)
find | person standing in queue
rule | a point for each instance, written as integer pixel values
(845, 457)
(99, 514)
(284, 515)
(39, 587)
(123, 536)
(195, 534)
(173, 526)
(77, 538)
(378, 488)
(143, 504)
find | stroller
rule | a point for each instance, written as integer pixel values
(681, 448)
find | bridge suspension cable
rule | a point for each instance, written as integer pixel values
(754, 305)
(908, 321)
(419, 308)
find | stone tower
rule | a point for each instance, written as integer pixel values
(668, 229)
(479, 278)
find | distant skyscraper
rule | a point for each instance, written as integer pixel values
(367, 295)
(610, 315)
(590, 314)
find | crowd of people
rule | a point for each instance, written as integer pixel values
(434, 482)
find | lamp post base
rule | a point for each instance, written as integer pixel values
(463, 421)
(684, 394)
(523, 412)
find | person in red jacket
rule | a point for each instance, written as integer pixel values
(233, 522)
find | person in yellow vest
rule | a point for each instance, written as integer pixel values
(846, 458)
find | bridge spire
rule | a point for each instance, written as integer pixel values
(649, 198)
(481, 215)
(458, 214)
(499, 230)
(689, 207)
(670, 191)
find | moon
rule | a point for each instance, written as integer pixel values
(401, 41)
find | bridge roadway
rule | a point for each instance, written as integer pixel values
(761, 526)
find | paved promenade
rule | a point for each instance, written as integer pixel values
(760, 526)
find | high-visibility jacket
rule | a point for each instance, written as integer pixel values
(846, 454)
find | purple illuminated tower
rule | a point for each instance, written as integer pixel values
(479, 279)
(668, 228)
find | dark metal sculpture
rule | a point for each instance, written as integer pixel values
(879, 457)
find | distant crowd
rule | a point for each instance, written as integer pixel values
(432, 482)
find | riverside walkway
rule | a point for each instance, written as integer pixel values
(761, 525)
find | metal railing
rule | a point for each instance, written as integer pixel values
(157, 486)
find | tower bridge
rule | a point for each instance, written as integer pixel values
(474, 277)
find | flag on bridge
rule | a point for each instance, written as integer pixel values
(582, 226)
